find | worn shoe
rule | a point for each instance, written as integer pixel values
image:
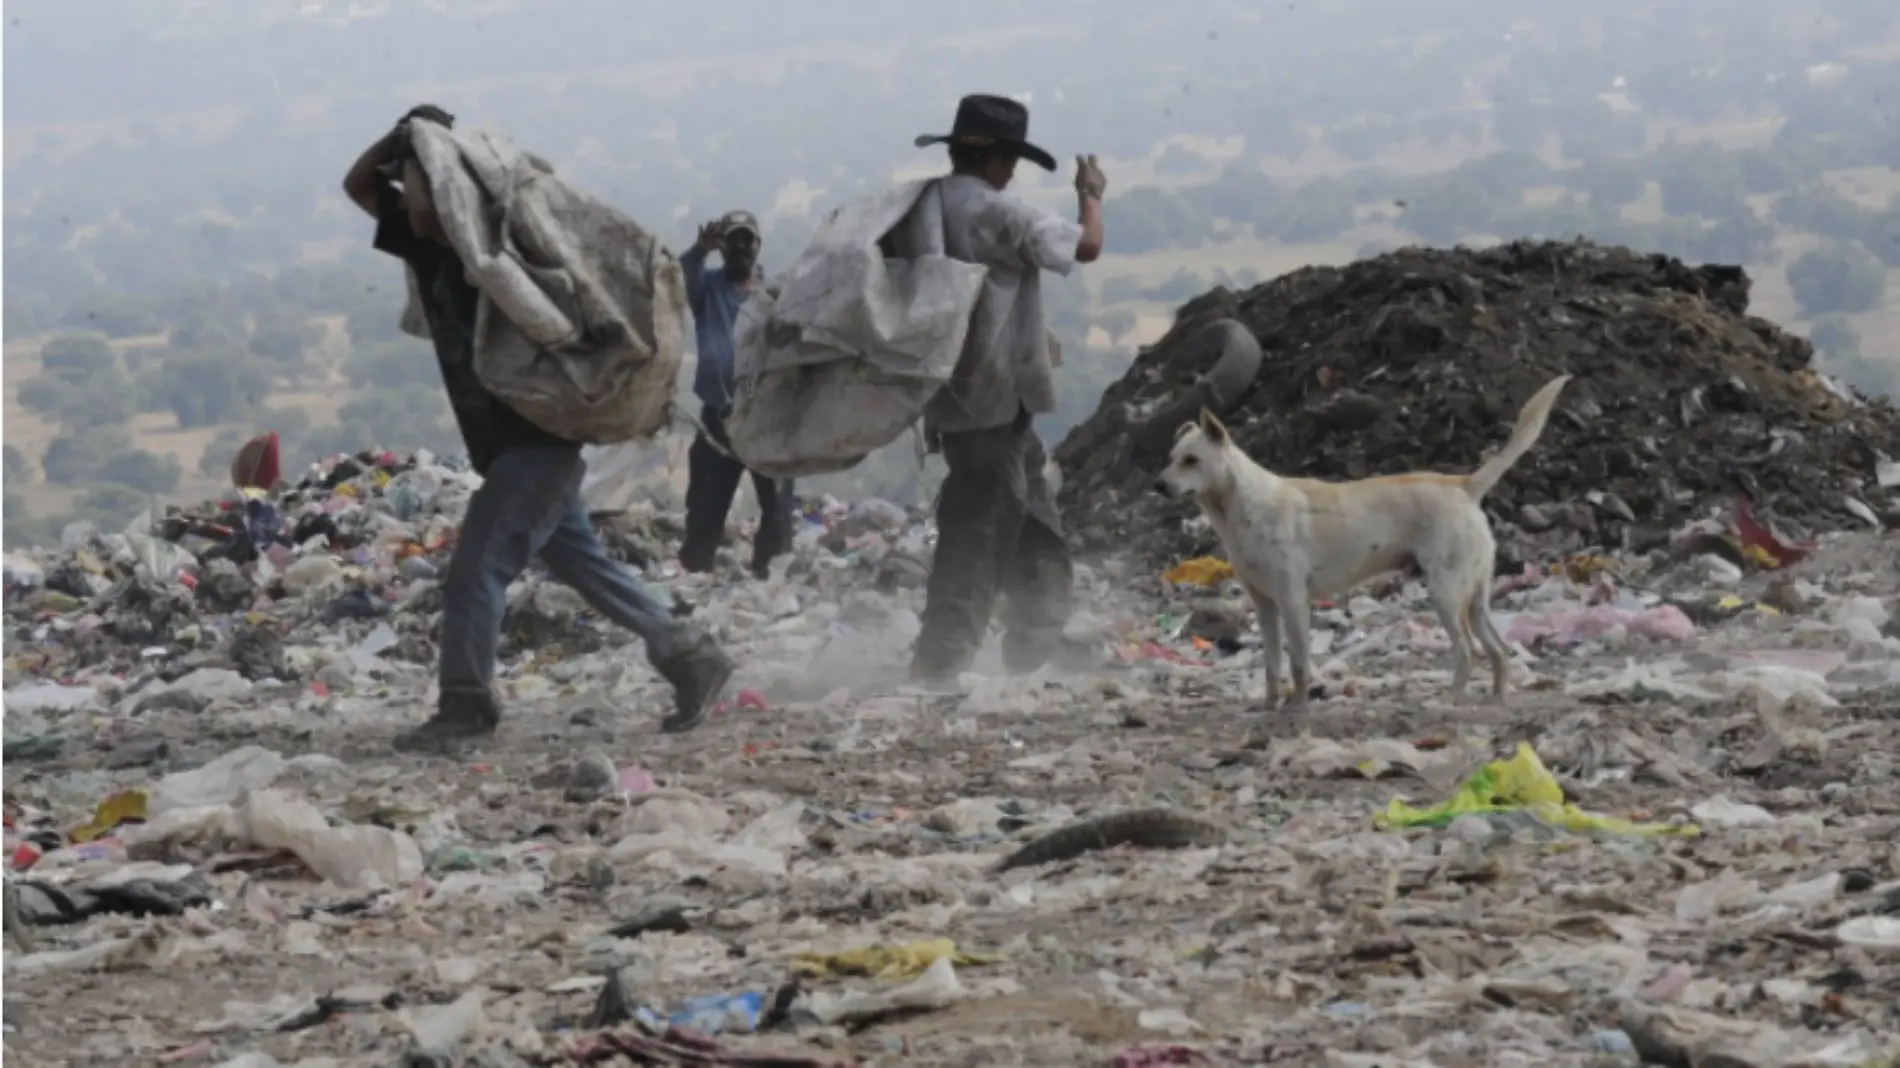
(461, 716)
(699, 677)
(932, 664)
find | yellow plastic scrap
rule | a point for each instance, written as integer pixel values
(122, 807)
(886, 962)
(1200, 571)
(1521, 783)
(1732, 602)
(1582, 567)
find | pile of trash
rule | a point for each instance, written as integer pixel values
(325, 581)
(1682, 403)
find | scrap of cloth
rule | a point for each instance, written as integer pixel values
(582, 315)
(256, 465)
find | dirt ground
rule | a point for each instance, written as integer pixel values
(1307, 937)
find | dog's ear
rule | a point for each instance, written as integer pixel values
(1181, 431)
(1211, 426)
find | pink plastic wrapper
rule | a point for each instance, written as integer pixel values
(1662, 623)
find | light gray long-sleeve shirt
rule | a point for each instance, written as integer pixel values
(1006, 364)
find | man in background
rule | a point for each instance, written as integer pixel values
(713, 474)
(998, 531)
(529, 502)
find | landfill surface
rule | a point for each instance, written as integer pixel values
(1420, 358)
(1678, 844)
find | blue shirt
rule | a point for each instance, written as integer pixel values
(715, 300)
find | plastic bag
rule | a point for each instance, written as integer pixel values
(353, 857)
(220, 782)
(1521, 783)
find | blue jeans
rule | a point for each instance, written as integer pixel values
(530, 504)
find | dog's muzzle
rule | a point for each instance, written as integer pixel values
(1161, 487)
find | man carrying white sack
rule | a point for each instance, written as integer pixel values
(529, 502)
(998, 528)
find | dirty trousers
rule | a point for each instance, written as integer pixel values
(530, 503)
(712, 480)
(998, 532)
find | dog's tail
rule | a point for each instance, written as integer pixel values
(1530, 424)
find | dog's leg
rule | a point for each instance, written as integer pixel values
(1268, 614)
(1452, 615)
(1494, 648)
(1296, 618)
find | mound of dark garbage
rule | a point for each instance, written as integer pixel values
(1682, 402)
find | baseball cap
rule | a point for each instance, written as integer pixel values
(741, 220)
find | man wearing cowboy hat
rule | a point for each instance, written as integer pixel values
(998, 531)
(712, 474)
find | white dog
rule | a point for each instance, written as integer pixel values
(1291, 540)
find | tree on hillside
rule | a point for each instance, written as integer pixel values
(106, 399)
(1591, 131)
(1320, 210)
(207, 388)
(18, 467)
(403, 418)
(1117, 322)
(1152, 220)
(1767, 170)
(1503, 175)
(1882, 236)
(1819, 209)
(1744, 239)
(1609, 182)
(111, 505)
(207, 326)
(115, 314)
(1177, 160)
(77, 456)
(1441, 212)
(1521, 125)
(1363, 140)
(1120, 289)
(23, 528)
(81, 383)
(25, 314)
(1567, 216)
(1871, 378)
(1702, 180)
(1181, 286)
(76, 357)
(283, 339)
(291, 425)
(1837, 278)
(406, 361)
(374, 321)
(145, 471)
(1833, 335)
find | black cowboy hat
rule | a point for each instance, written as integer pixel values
(992, 120)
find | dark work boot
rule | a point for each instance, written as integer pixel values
(934, 668)
(699, 677)
(460, 716)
